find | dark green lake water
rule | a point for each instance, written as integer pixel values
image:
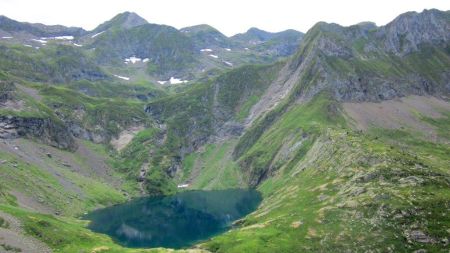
(176, 221)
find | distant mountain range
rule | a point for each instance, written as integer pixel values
(185, 54)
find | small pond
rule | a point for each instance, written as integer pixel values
(175, 221)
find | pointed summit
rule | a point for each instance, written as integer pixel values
(125, 20)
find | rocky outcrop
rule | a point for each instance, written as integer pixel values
(99, 136)
(45, 130)
(408, 31)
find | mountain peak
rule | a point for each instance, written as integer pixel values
(254, 35)
(125, 20)
(199, 28)
(131, 19)
(261, 34)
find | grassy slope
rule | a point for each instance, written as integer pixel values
(39, 183)
(52, 63)
(346, 190)
(212, 168)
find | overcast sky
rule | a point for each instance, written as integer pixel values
(229, 16)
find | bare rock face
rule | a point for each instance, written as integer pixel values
(77, 131)
(405, 33)
(418, 236)
(45, 130)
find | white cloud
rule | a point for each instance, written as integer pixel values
(230, 17)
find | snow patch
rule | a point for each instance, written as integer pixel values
(228, 63)
(206, 50)
(97, 34)
(133, 59)
(62, 37)
(122, 77)
(183, 186)
(77, 45)
(27, 45)
(66, 37)
(146, 60)
(228, 49)
(214, 56)
(246, 48)
(40, 41)
(174, 80)
(7, 37)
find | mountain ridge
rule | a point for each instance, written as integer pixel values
(128, 35)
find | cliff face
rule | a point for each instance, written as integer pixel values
(20, 119)
(45, 130)
(406, 33)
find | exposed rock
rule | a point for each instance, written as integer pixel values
(408, 31)
(82, 133)
(357, 191)
(125, 137)
(230, 129)
(411, 181)
(296, 224)
(45, 130)
(418, 236)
